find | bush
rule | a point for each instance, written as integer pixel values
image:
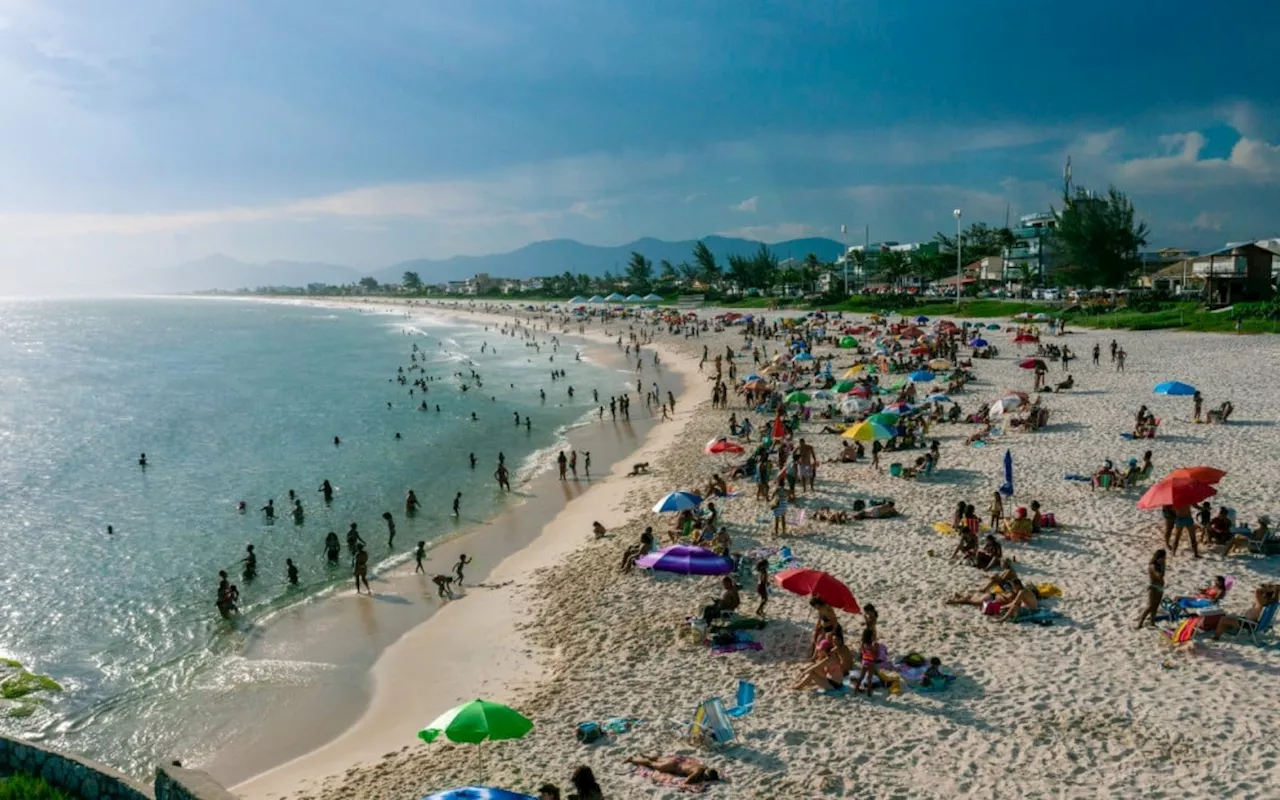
(28, 787)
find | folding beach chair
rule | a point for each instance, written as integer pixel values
(1184, 632)
(745, 701)
(1256, 630)
(711, 726)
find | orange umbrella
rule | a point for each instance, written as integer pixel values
(1201, 474)
(1176, 492)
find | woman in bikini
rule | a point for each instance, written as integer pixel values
(692, 770)
(1155, 588)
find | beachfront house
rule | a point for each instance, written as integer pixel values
(1236, 273)
(1032, 253)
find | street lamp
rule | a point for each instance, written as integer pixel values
(959, 259)
(845, 257)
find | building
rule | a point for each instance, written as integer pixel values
(1236, 273)
(870, 267)
(1032, 253)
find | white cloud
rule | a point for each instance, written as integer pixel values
(749, 205)
(1208, 221)
(1181, 164)
(773, 233)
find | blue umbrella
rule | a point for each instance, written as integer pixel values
(922, 318)
(1007, 488)
(478, 793)
(922, 376)
(804, 357)
(1175, 388)
(938, 397)
(979, 342)
(750, 378)
(678, 501)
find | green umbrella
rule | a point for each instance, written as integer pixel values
(884, 418)
(844, 386)
(848, 341)
(797, 398)
(477, 721)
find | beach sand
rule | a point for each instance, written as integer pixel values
(1084, 707)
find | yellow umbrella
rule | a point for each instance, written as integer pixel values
(854, 370)
(939, 363)
(868, 432)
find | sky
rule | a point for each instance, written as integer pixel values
(136, 134)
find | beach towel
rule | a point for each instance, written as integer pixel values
(736, 647)
(671, 781)
(1041, 616)
(944, 528)
(979, 443)
(1078, 478)
(1048, 590)
(1128, 436)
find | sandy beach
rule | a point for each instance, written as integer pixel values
(1086, 706)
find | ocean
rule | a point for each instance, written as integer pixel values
(230, 401)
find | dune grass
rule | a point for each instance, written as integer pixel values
(29, 787)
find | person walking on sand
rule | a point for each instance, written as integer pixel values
(1155, 588)
(419, 556)
(665, 415)
(391, 529)
(1198, 399)
(1114, 348)
(562, 464)
(1120, 354)
(573, 463)
(457, 568)
(361, 569)
(997, 511)
(586, 464)
(1097, 354)
(762, 585)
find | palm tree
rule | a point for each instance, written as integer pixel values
(893, 267)
(709, 270)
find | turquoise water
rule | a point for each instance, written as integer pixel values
(229, 400)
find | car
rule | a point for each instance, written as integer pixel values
(1051, 294)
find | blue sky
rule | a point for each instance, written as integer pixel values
(141, 133)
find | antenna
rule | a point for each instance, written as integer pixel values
(1066, 178)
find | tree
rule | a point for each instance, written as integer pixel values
(929, 266)
(893, 267)
(740, 271)
(708, 270)
(639, 272)
(763, 267)
(689, 272)
(369, 284)
(410, 281)
(668, 274)
(979, 240)
(1099, 237)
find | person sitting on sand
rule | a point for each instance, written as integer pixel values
(1104, 473)
(1263, 596)
(598, 530)
(721, 543)
(1062, 386)
(1218, 531)
(849, 453)
(826, 672)
(691, 769)
(1023, 600)
(633, 552)
(990, 554)
(980, 435)
(967, 547)
(1040, 521)
(716, 487)
(827, 624)
(1019, 528)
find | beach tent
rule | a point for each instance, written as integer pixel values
(595, 298)
(614, 298)
(635, 298)
(577, 301)
(652, 298)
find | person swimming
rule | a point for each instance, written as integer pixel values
(270, 509)
(142, 460)
(297, 512)
(250, 562)
(326, 489)
(332, 547)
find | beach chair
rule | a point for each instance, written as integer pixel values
(1256, 630)
(1184, 632)
(711, 726)
(745, 701)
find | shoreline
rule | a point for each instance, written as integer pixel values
(476, 632)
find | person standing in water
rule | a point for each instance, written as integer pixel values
(298, 516)
(336, 441)
(326, 489)
(250, 562)
(361, 569)
(457, 503)
(291, 572)
(457, 568)
(142, 460)
(270, 510)
(473, 460)
(411, 504)
(332, 547)
(391, 528)
(353, 539)
(504, 479)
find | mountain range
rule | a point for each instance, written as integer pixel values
(222, 272)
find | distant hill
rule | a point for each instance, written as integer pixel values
(557, 255)
(554, 256)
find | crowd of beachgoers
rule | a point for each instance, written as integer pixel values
(894, 555)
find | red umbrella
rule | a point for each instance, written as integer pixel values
(1025, 337)
(1176, 492)
(813, 583)
(920, 351)
(1202, 474)
(860, 391)
(717, 446)
(1030, 363)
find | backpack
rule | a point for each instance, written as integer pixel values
(589, 732)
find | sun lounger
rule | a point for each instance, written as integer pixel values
(1257, 630)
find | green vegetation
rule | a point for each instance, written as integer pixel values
(29, 787)
(1099, 236)
(25, 683)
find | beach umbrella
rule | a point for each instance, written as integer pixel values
(993, 327)
(860, 391)
(684, 559)
(899, 408)
(750, 378)
(814, 583)
(922, 376)
(478, 793)
(844, 386)
(939, 363)
(756, 384)
(677, 501)
(922, 319)
(1176, 492)
(854, 370)
(1005, 404)
(869, 432)
(476, 722)
(822, 394)
(978, 342)
(722, 445)
(797, 399)
(920, 351)
(885, 418)
(1006, 488)
(1024, 338)
(804, 357)
(937, 397)
(852, 405)
(1175, 388)
(1202, 474)
(1031, 363)
(848, 341)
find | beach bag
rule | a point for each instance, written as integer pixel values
(992, 608)
(1048, 521)
(589, 732)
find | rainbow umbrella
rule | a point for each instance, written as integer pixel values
(869, 432)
